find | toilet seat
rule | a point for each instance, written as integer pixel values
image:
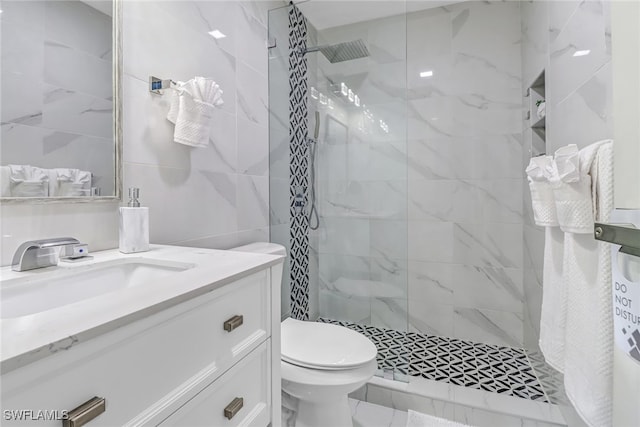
(324, 346)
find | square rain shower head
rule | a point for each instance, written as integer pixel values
(345, 51)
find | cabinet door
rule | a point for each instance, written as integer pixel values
(248, 380)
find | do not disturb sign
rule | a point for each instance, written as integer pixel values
(626, 307)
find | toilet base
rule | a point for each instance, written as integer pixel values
(328, 413)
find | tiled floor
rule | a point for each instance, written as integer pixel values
(504, 370)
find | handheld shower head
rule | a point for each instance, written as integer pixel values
(316, 131)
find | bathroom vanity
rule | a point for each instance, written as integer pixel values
(182, 337)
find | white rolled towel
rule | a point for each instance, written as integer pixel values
(28, 181)
(542, 200)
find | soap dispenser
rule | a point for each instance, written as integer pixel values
(134, 225)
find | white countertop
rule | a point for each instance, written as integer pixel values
(28, 338)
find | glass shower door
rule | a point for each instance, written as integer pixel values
(356, 169)
(361, 179)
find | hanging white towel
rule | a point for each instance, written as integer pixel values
(28, 181)
(588, 363)
(174, 102)
(542, 201)
(540, 171)
(553, 316)
(191, 110)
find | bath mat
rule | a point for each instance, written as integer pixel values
(416, 419)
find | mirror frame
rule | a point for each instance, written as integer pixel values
(117, 127)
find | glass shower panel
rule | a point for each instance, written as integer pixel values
(356, 170)
(361, 177)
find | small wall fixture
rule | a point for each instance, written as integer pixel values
(428, 73)
(582, 52)
(156, 85)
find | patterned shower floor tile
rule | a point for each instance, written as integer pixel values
(497, 369)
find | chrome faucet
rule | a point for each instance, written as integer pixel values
(39, 253)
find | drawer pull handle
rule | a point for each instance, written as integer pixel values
(85, 412)
(233, 323)
(233, 408)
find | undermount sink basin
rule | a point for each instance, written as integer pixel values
(62, 286)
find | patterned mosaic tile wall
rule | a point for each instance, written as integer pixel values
(504, 370)
(298, 167)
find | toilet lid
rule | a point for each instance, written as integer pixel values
(324, 346)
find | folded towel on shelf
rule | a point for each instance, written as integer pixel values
(542, 201)
(28, 181)
(64, 182)
(588, 368)
(191, 110)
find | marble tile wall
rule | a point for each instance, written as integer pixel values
(279, 201)
(215, 197)
(535, 57)
(465, 172)
(52, 116)
(218, 196)
(429, 215)
(579, 111)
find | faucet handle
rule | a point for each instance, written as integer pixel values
(74, 252)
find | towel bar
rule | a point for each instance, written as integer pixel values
(156, 85)
(625, 235)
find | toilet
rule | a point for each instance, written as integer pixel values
(321, 363)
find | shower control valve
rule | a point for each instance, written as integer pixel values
(298, 200)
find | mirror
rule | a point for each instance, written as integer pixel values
(60, 70)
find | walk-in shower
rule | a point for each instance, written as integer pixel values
(407, 144)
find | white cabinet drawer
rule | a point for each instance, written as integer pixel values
(249, 300)
(248, 380)
(144, 362)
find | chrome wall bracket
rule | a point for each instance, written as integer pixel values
(625, 235)
(157, 85)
